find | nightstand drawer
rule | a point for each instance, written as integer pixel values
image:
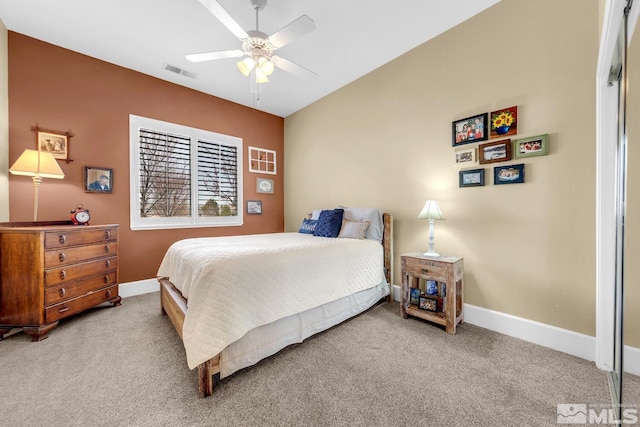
(77, 305)
(65, 291)
(55, 276)
(419, 269)
(60, 257)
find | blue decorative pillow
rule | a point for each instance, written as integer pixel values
(329, 223)
(308, 226)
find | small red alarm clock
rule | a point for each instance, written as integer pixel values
(80, 215)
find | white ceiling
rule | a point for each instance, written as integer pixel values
(352, 38)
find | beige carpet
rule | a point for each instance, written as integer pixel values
(126, 366)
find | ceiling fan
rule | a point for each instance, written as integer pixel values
(256, 45)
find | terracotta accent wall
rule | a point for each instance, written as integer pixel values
(63, 90)
(4, 126)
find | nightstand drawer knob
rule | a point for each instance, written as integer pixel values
(107, 234)
(106, 279)
(62, 292)
(108, 293)
(108, 263)
(106, 249)
(63, 309)
(63, 274)
(62, 238)
(425, 271)
(61, 256)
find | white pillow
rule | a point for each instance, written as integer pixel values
(373, 215)
(353, 229)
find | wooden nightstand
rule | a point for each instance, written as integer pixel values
(447, 270)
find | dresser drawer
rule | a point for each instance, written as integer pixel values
(60, 257)
(426, 270)
(64, 238)
(99, 267)
(77, 305)
(65, 291)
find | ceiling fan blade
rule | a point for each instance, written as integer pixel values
(223, 16)
(209, 56)
(292, 68)
(296, 29)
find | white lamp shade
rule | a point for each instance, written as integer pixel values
(37, 163)
(431, 210)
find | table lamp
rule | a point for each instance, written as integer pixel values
(431, 211)
(37, 164)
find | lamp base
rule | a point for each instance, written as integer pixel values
(431, 254)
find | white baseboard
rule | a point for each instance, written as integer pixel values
(131, 289)
(631, 360)
(576, 344)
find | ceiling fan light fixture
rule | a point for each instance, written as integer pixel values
(245, 66)
(260, 76)
(266, 66)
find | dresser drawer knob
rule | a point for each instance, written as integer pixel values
(425, 271)
(107, 234)
(61, 256)
(106, 249)
(63, 274)
(63, 292)
(108, 263)
(63, 309)
(108, 293)
(106, 279)
(62, 238)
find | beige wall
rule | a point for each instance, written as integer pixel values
(385, 141)
(632, 238)
(4, 125)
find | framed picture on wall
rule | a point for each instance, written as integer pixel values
(504, 122)
(54, 143)
(264, 185)
(98, 180)
(530, 147)
(497, 151)
(254, 207)
(471, 129)
(465, 157)
(471, 178)
(513, 174)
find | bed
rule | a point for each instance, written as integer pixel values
(238, 299)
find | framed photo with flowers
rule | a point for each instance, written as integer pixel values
(471, 129)
(530, 147)
(504, 122)
(495, 151)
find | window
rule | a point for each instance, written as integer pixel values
(183, 177)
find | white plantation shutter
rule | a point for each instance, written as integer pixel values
(183, 177)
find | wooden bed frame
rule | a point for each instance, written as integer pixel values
(174, 305)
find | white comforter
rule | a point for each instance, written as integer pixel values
(234, 284)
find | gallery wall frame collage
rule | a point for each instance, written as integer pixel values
(261, 161)
(495, 128)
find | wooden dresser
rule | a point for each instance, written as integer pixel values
(52, 270)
